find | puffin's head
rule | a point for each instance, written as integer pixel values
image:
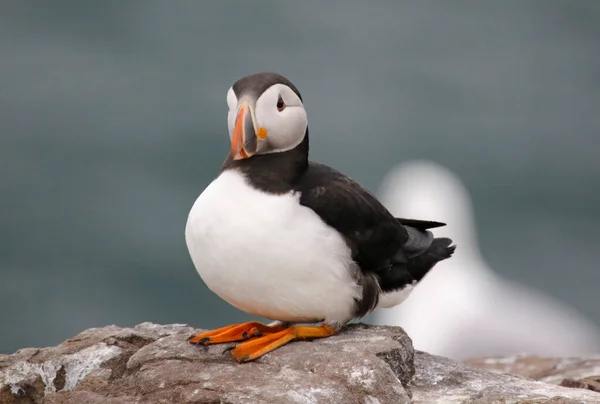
(266, 115)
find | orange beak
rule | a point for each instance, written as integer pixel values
(244, 141)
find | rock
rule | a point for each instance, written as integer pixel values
(441, 380)
(155, 364)
(569, 372)
(151, 363)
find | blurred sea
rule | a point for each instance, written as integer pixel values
(113, 120)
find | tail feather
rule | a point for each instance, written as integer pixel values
(420, 224)
(407, 270)
(439, 250)
(416, 257)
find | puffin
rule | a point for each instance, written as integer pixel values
(297, 242)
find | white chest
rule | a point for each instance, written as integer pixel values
(268, 255)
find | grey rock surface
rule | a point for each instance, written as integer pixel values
(155, 364)
(152, 363)
(441, 380)
(571, 372)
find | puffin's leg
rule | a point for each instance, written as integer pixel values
(250, 350)
(236, 332)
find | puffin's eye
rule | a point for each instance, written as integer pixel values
(280, 104)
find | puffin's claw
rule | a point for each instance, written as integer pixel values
(192, 340)
(229, 348)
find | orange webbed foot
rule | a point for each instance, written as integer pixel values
(234, 333)
(254, 349)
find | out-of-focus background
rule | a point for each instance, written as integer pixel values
(113, 120)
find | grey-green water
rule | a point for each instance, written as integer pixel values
(112, 121)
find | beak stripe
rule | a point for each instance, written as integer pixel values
(237, 141)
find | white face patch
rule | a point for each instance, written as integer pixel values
(285, 127)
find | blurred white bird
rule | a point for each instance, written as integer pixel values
(462, 309)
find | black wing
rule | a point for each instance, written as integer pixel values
(395, 251)
(371, 231)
